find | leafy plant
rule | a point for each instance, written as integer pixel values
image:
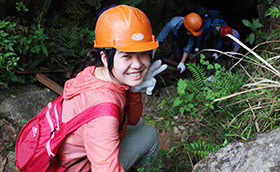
(21, 7)
(185, 102)
(198, 74)
(197, 94)
(69, 44)
(258, 98)
(134, 3)
(273, 12)
(8, 58)
(199, 149)
(255, 26)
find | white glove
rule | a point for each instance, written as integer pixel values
(215, 55)
(182, 67)
(149, 82)
(196, 49)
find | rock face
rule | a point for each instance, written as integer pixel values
(16, 109)
(260, 154)
(25, 104)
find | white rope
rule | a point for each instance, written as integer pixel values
(255, 54)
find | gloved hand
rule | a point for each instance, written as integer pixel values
(215, 55)
(149, 82)
(196, 49)
(182, 67)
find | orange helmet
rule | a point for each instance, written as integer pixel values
(224, 31)
(125, 28)
(193, 23)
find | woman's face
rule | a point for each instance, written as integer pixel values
(130, 68)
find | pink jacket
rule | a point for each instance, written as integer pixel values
(98, 139)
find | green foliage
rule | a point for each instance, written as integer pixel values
(46, 5)
(198, 150)
(134, 3)
(96, 3)
(270, 1)
(30, 45)
(238, 130)
(273, 12)
(21, 7)
(196, 94)
(255, 26)
(185, 102)
(198, 74)
(8, 58)
(69, 44)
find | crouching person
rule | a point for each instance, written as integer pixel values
(115, 73)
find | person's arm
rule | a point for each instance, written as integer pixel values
(181, 66)
(101, 140)
(198, 41)
(165, 31)
(235, 44)
(162, 36)
(188, 49)
(184, 58)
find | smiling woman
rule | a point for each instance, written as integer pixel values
(115, 73)
(129, 68)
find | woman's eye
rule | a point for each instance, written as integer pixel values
(126, 56)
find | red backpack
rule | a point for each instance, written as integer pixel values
(39, 140)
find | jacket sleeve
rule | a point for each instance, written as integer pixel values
(165, 32)
(134, 108)
(235, 44)
(198, 41)
(101, 140)
(189, 46)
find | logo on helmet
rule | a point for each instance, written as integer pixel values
(137, 36)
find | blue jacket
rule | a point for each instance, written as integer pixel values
(171, 29)
(207, 30)
(235, 44)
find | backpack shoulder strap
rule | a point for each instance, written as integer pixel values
(102, 109)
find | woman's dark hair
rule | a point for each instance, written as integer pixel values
(110, 59)
(93, 58)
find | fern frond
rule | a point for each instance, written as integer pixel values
(192, 86)
(36, 62)
(96, 3)
(198, 73)
(201, 149)
(273, 12)
(46, 5)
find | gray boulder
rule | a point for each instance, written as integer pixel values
(260, 154)
(24, 103)
(17, 107)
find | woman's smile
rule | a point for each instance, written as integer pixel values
(130, 68)
(135, 74)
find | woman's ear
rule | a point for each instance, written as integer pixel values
(103, 58)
